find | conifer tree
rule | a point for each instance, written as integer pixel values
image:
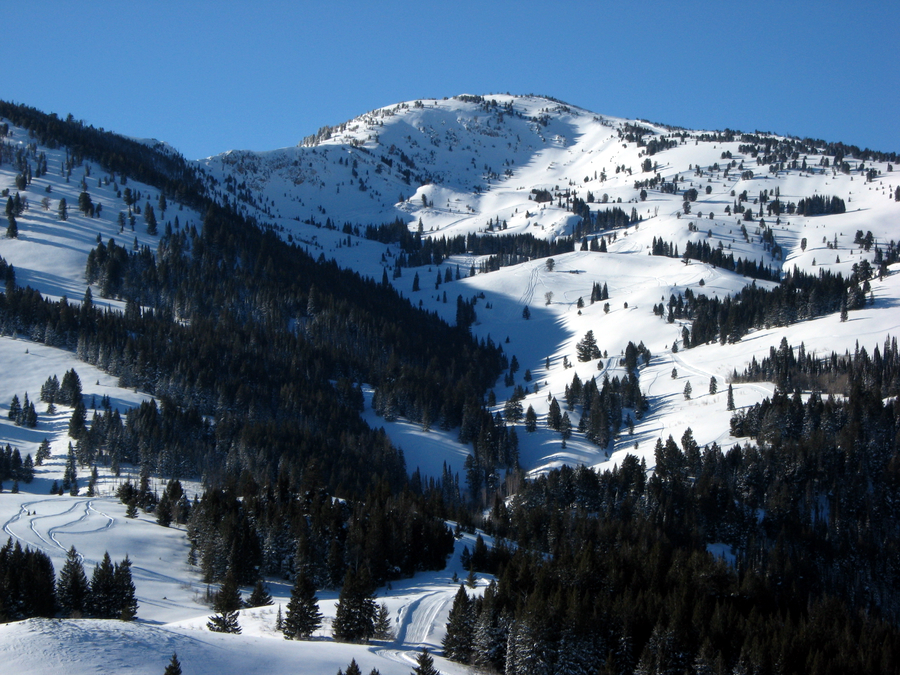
(687, 391)
(730, 405)
(457, 642)
(425, 664)
(174, 667)
(72, 587)
(103, 600)
(530, 419)
(303, 617)
(227, 602)
(354, 620)
(125, 592)
(259, 597)
(383, 629)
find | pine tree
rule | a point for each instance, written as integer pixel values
(72, 587)
(425, 664)
(713, 385)
(353, 668)
(730, 398)
(457, 642)
(303, 617)
(12, 230)
(259, 597)
(354, 620)
(174, 667)
(687, 391)
(530, 419)
(383, 628)
(103, 598)
(15, 409)
(227, 602)
(127, 603)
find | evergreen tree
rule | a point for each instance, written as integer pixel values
(15, 409)
(174, 667)
(687, 391)
(104, 598)
(12, 230)
(587, 349)
(383, 628)
(259, 597)
(354, 620)
(63, 209)
(713, 385)
(125, 592)
(554, 416)
(226, 602)
(530, 419)
(303, 617)
(457, 642)
(72, 587)
(425, 664)
(730, 405)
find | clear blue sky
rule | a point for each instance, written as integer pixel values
(211, 76)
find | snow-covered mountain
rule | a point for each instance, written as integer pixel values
(491, 166)
(502, 165)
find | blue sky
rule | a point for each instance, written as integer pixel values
(211, 76)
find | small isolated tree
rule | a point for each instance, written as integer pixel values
(548, 297)
(303, 616)
(425, 664)
(713, 385)
(551, 263)
(674, 373)
(530, 419)
(587, 348)
(174, 667)
(730, 398)
(526, 313)
(687, 391)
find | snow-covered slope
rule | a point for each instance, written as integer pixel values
(472, 164)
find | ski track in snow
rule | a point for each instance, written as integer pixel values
(46, 538)
(417, 618)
